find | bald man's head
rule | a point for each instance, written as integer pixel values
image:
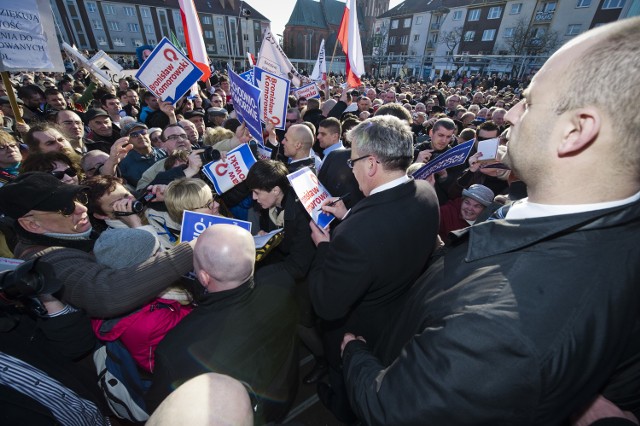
(224, 257)
(303, 135)
(221, 400)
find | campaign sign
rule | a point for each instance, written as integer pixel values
(225, 174)
(168, 73)
(264, 153)
(194, 224)
(248, 75)
(275, 97)
(453, 157)
(311, 194)
(246, 100)
(309, 91)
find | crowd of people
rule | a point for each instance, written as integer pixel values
(502, 290)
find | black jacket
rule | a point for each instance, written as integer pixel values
(521, 322)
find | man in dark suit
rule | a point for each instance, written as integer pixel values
(244, 327)
(363, 269)
(335, 174)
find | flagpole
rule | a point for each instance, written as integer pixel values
(335, 46)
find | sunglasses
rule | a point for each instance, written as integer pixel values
(59, 174)
(137, 134)
(80, 198)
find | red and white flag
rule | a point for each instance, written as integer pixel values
(196, 49)
(251, 58)
(349, 36)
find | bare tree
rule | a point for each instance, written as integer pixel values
(531, 40)
(451, 39)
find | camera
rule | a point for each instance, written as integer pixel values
(139, 204)
(30, 279)
(209, 155)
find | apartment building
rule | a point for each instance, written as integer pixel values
(230, 27)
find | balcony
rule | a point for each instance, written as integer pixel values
(435, 26)
(535, 42)
(544, 16)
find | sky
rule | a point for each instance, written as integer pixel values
(279, 11)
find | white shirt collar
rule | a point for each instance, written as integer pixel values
(392, 184)
(523, 209)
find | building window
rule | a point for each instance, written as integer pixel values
(574, 29)
(223, 48)
(118, 41)
(101, 41)
(180, 30)
(148, 29)
(392, 40)
(488, 35)
(96, 24)
(220, 21)
(129, 11)
(221, 34)
(469, 35)
(136, 42)
(583, 3)
(114, 25)
(91, 7)
(208, 34)
(108, 9)
(145, 12)
(508, 32)
(474, 15)
(134, 28)
(151, 41)
(207, 20)
(495, 12)
(516, 8)
(613, 4)
(457, 15)
(419, 20)
(550, 6)
(404, 40)
(406, 23)
(416, 37)
(394, 24)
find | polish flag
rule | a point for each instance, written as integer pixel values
(196, 50)
(349, 37)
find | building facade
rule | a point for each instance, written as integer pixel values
(230, 28)
(514, 37)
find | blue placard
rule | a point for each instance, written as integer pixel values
(168, 73)
(194, 224)
(225, 174)
(453, 157)
(246, 102)
(274, 100)
(248, 75)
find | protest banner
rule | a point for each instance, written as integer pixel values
(309, 91)
(246, 101)
(311, 194)
(453, 157)
(27, 39)
(274, 100)
(225, 174)
(168, 73)
(194, 224)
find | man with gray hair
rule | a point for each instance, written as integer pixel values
(362, 269)
(243, 327)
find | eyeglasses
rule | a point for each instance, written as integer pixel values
(7, 146)
(209, 204)
(291, 121)
(95, 168)
(59, 174)
(351, 162)
(177, 137)
(137, 134)
(80, 198)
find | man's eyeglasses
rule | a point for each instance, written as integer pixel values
(291, 121)
(177, 137)
(72, 123)
(7, 146)
(137, 134)
(59, 174)
(80, 198)
(351, 162)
